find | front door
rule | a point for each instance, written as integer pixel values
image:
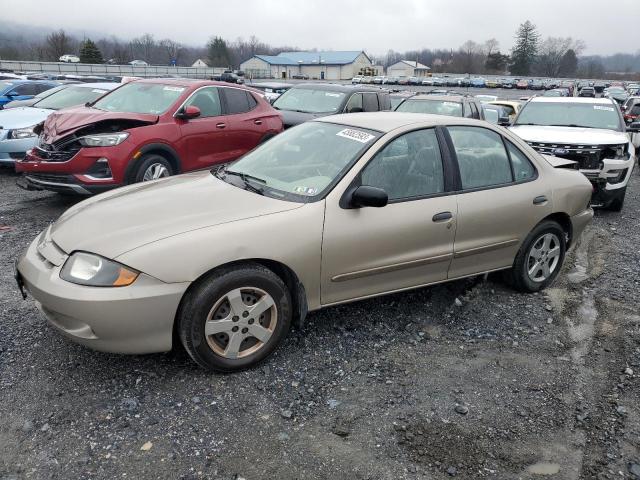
(409, 242)
(502, 199)
(207, 139)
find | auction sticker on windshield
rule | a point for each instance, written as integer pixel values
(357, 135)
(600, 107)
(329, 94)
(173, 89)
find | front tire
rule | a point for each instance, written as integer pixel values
(235, 318)
(152, 167)
(540, 258)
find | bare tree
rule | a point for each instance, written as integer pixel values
(58, 44)
(172, 49)
(491, 46)
(551, 52)
(143, 47)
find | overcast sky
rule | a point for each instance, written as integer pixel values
(344, 24)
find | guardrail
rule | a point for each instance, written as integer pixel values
(101, 69)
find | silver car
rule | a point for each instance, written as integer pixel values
(334, 210)
(17, 124)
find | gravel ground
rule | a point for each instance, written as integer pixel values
(467, 380)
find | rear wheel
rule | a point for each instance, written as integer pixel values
(235, 318)
(540, 258)
(152, 167)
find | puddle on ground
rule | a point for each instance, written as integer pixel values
(543, 468)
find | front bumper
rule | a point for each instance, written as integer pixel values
(136, 319)
(62, 184)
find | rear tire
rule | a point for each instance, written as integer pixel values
(539, 259)
(152, 167)
(235, 318)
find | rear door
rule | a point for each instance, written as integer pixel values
(206, 139)
(501, 199)
(246, 123)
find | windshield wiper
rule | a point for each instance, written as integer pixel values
(245, 177)
(572, 125)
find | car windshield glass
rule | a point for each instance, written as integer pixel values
(5, 85)
(310, 101)
(51, 91)
(302, 162)
(438, 107)
(570, 114)
(69, 97)
(140, 97)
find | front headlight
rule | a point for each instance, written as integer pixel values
(103, 139)
(95, 271)
(19, 133)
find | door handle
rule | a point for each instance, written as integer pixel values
(221, 125)
(258, 122)
(442, 216)
(539, 200)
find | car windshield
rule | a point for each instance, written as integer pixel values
(310, 101)
(566, 114)
(51, 91)
(69, 97)
(302, 162)
(438, 107)
(140, 97)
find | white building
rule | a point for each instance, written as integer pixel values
(313, 65)
(199, 63)
(407, 68)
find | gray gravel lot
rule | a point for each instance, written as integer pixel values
(468, 379)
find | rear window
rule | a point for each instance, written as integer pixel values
(437, 107)
(238, 100)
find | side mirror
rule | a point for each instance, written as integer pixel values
(634, 127)
(188, 112)
(504, 121)
(368, 196)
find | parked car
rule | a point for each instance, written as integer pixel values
(618, 94)
(271, 90)
(300, 76)
(230, 77)
(313, 100)
(495, 114)
(69, 59)
(396, 98)
(587, 92)
(209, 259)
(492, 83)
(356, 80)
(522, 84)
(632, 114)
(590, 131)
(507, 83)
(478, 82)
(536, 85)
(379, 80)
(438, 82)
(18, 134)
(452, 105)
(486, 98)
(138, 63)
(36, 98)
(556, 92)
(11, 90)
(393, 80)
(599, 87)
(146, 130)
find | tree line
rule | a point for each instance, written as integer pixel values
(530, 54)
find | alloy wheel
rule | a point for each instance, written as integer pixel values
(155, 171)
(241, 322)
(544, 257)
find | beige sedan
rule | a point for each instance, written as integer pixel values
(335, 210)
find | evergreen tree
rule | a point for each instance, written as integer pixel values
(496, 62)
(90, 53)
(218, 53)
(568, 64)
(523, 54)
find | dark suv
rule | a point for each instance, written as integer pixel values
(306, 102)
(452, 105)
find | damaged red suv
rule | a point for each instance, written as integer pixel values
(146, 130)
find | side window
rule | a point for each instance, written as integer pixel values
(354, 105)
(253, 103)
(482, 159)
(468, 113)
(522, 167)
(25, 89)
(408, 166)
(41, 87)
(237, 101)
(370, 102)
(207, 100)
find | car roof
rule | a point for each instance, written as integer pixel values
(599, 101)
(444, 98)
(185, 82)
(334, 87)
(100, 85)
(388, 121)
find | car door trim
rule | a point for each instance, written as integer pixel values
(485, 248)
(343, 277)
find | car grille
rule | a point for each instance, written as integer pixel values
(53, 178)
(59, 151)
(589, 157)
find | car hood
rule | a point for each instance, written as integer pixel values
(21, 117)
(291, 118)
(120, 220)
(569, 135)
(66, 121)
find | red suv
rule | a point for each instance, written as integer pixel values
(146, 130)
